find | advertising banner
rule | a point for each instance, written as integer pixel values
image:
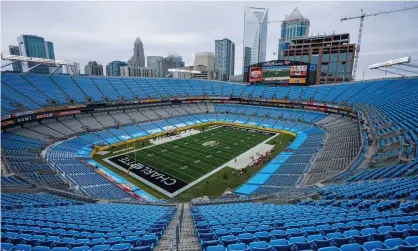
(67, 113)
(256, 74)
(44, 116)
(297, 80)
(298, 70)
(276, 73)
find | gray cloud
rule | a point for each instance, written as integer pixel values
(106, 31)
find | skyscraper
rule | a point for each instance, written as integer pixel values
(34, 46)
(113, 68)
(138, 59)
(224, 58)
(206, 59)
(154, 62)
(255, 35)
(49, 48)
(93, 69)
(172, 61)
(14, 50)
(293, 26)
(133, 71)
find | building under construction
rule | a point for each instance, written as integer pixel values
(333, 55)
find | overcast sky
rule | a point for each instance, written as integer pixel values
(106, 31)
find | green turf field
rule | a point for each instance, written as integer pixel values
(192, 157)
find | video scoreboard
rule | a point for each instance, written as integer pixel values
(280, 72)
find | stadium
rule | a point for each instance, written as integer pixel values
(99, 163)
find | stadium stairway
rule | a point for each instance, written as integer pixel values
(188, 240)
(188, 235)
(4, 169)
(167, 239)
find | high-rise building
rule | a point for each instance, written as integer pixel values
(74, 70)
(108, 70)
(34, 46)
(255, 35)
(49, 48)
(93, 69)
(170, 62)
(113, 68)
(224, 58)
(333, 55)
(293, 26)
(130, 61)
(205, 58)
(192, 72)
(138, 59)
(132, 71)
(154, 62)
(14, 50)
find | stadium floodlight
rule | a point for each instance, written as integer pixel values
(36, 60)
(397, 65)
(403, 60)
(70, 66)
(183, 70)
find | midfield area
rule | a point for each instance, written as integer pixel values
(173, 165)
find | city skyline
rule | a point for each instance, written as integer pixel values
(105, 42)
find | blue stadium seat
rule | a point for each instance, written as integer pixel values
(281, 245)
(246, 238)
(260, 246)
(263, 236)
(81, 248)
(104, 247)
(238, 247)
(121, 247)
(215, 248)
(329, 249)
(6, 246)
(319, 241)
(22, 247)
(299, 242)
(228, 240)
(373, 245)
(352, 247)
(133, 240)
(279, 234)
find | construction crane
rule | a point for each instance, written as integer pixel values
(362, 16)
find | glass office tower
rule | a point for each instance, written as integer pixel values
(255, 35)
(224, 58)
(293, 26)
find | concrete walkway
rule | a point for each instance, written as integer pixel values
(172, 138)
(243, 160)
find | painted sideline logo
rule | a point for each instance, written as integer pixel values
(210, 143)
(157, 177)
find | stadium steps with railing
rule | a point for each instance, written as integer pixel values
(170, 233)
(188, 235)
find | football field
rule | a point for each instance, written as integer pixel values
(177, 163)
